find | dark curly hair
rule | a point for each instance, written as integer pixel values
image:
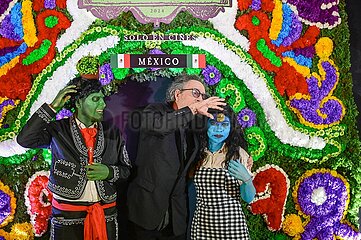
(233, 141)
(84, 88)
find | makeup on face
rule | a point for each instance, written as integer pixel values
(91, 108)
(218, 128)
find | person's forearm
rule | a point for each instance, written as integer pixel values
(247, 191)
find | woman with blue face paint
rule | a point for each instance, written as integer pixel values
(221, 178)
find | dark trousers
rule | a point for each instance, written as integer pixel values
(136, 232)
(70, 225)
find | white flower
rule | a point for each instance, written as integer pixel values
(319, 196)
(82, 19)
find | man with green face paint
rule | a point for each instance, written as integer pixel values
(88, 158)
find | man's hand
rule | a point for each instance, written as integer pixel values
(97, 171)
(62, 97)
(202, 107)
(239, 171)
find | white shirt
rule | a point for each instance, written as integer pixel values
(217, 159)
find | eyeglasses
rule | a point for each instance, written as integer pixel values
(196, 93)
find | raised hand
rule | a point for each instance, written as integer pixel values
(202, 107)
(63, 96)
(97, 171)
(239, 171)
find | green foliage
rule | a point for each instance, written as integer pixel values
(16, 177)
(88, 65)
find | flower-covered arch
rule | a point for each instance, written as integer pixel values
(281, 65)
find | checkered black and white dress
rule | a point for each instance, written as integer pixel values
(218, 213)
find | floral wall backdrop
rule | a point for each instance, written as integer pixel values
(283, 66)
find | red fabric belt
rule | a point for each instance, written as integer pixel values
(94, 224)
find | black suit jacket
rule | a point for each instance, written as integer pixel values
(69, 153)
(160, 181)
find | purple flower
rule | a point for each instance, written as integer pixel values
(64, 113)
(155, 51)
(5, 103)
(312, 11)
(7, 28)
(211, 75)
(246, 118)
(323, 197)
(4, 6)
(311, 108)
(105, 74)
(49, 4)
(295, 32)
(6, 50)
(256, 5)
(5, 207)
(308, 52)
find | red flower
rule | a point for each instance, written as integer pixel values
(38, 201)
(271, 185)
(257, 24)
(21, 75)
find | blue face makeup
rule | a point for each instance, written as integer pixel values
(218, 131)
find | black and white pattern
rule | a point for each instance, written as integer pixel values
(44, 115)
(218, 214)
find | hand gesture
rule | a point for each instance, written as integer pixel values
(63, 96)
(97, 171)
(239, 171)
(202, 107)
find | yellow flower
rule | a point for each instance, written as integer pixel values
(22, 231)
(324, 47)
(305, 71)
(4, 234)
(277, 19)
(292, 225)
(28, 24)
(6, 67)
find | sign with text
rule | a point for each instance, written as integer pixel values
(150, 11)
(158, 61)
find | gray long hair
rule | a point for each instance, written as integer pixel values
(179, 83)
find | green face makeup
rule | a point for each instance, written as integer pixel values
(90, 109)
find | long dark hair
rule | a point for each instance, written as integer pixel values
(233, 141)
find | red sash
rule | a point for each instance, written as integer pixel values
(94, 224)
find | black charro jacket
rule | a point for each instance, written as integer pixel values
(160, 181)
(69, 154)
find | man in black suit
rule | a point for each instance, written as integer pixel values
(157, 197)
